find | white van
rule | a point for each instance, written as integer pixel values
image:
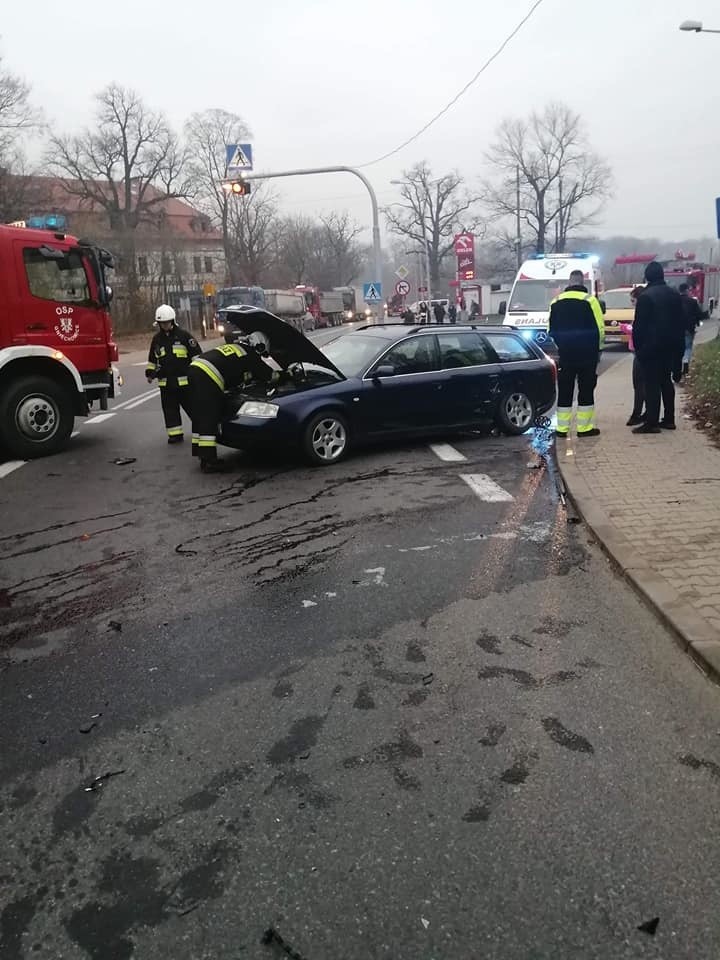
(540, 280)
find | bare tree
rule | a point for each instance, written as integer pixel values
(18, 191)
(252, 235)
(563, 183)
(299, 250)
(207, 135)
(432, 212)
(342, 256)
(128, 165)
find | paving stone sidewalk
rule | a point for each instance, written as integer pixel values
(654, 503)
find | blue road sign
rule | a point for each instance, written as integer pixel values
(372, 292)
(717, 215)
(238, 158)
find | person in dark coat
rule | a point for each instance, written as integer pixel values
(638, 413)
(694, 316)
(439, 311)
(452, 313)
(659, 339)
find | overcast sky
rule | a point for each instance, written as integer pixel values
(332, 81)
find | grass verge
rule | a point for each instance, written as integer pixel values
(703, 388)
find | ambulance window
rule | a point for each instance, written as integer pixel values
(63, 279)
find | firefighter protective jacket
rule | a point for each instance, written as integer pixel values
(577, 325)
(170, 355)
(232, 366)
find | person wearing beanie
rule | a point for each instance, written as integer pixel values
(659, 339)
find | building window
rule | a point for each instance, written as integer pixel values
(208, 264)
(197, 264)
(62, 280)
(180, 266)
(166, 265)
(143, 266)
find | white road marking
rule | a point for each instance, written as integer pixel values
(378, 576)
(126, 403)
(308, 603)
(445, 452)
(131, 406)
(99, 418)
(143, 363)
(11, 465)
(485, 488)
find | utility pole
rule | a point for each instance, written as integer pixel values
(518, 237)
(560, 230)
(377, 251)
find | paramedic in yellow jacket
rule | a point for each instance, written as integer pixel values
(578, 328)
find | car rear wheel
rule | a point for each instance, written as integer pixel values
(326, 439)
(516, 412)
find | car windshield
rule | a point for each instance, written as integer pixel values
(617, 300)
(531, 295)
(354, 354)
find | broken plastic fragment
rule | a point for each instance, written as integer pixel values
(115, 625)
(123, 461)
(650, 926)
(99, 781)
(428, 679)
(87, 727)
(424, 922)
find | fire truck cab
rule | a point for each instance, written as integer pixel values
(56, 343)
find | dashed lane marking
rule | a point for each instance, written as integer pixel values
(445, 452)
(127, 403)
(6, 468)
(485, 488)
(99, 418)
(131, 406)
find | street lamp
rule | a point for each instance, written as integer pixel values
(695, 26)
(430, 183)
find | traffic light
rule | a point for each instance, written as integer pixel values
(239, 188)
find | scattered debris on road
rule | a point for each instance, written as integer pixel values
(98, 782)
(650, 926)
(124, 461)
(115, 625)
(272, 937)
(428, 679)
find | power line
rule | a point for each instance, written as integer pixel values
(464, 90)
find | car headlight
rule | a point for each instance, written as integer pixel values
(255, 408)
(349, 314)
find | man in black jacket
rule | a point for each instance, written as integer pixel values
(659, 339)
(171, 351)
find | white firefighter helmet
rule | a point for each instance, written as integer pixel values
(259, 341)
(164, 314)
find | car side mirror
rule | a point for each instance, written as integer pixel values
(603, 306)
(384, 370)
(502, 309)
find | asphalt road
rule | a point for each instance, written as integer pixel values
(386, 711)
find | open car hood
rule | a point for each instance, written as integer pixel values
(287, 345)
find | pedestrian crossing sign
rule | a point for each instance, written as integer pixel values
(372, 292)
(238, 157)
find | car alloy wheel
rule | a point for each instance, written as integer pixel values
(329, 439)
(519, 411)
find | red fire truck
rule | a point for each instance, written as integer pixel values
(703, 279)
(56, 342)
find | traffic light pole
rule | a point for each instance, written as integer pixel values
(377, 251)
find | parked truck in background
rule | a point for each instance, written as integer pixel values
(326, 307)
(354, 306)
(290, 305)
(56, 342)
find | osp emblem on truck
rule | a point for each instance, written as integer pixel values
(66, 328)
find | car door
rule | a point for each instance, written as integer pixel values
(521, 369)
(471, 390)
(403, 388)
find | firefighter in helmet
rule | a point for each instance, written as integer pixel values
(239, 361)
(171, 352)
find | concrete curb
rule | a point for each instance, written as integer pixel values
(694, 635)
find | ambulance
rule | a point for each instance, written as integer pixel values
(541, 279)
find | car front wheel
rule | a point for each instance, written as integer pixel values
(326, 439)
(516, 412)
